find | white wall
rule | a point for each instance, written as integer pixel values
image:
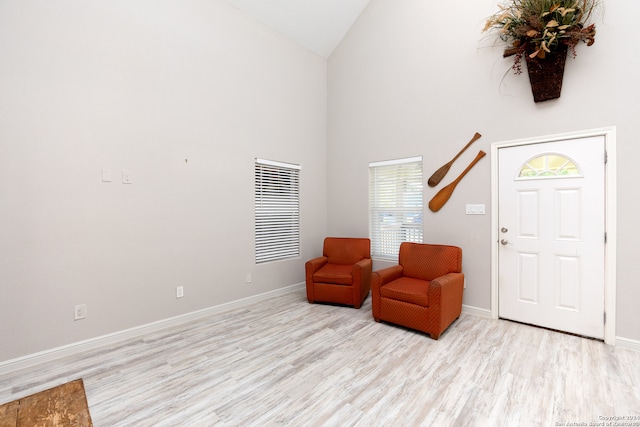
(418, 78)
(184, 94)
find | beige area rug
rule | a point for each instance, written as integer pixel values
(62, 406)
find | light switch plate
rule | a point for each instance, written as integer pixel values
(477, 209)
(106, 175)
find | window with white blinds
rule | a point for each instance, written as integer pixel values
(395, 205)
(277, 211)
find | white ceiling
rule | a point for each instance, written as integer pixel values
(318, 25)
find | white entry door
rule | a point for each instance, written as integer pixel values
(552, 234)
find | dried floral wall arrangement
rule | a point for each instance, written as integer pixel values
(543, 31)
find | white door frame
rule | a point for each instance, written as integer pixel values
(609, 134)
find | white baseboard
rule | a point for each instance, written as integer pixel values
(627, 343)
(109, 339)
(93, 343)
(476, 311)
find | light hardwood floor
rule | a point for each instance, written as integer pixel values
(283, 361)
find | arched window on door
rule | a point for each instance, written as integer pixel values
(549, 165)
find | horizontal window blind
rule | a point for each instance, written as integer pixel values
(277, 211)
(395, 205)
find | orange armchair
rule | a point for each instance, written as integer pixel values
(423, 292)
(342, 275)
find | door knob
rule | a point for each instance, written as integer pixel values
(504, 241)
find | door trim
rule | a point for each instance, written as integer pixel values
(609, 134)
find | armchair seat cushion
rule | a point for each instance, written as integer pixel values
(407, 289)
(339, 274)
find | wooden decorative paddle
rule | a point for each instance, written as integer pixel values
(443, 195)
(440, 173)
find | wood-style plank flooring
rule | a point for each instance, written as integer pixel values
(283, 361)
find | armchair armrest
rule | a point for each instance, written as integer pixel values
(443, 283)
(445, 300)
(362, 272)
(386, 275)
(361, 280)
(314, 264)
(378, 279)
(310, 267)
(363, 268)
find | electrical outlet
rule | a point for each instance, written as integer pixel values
(179, 291)
(79, 311)
(249, 278)
(126, 177)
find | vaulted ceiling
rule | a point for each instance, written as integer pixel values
(318, 25)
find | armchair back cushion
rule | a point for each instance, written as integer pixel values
(428, 262)
(343, 250)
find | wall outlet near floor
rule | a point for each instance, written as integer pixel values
(249, 280)
(179, 291)
(79, 311)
